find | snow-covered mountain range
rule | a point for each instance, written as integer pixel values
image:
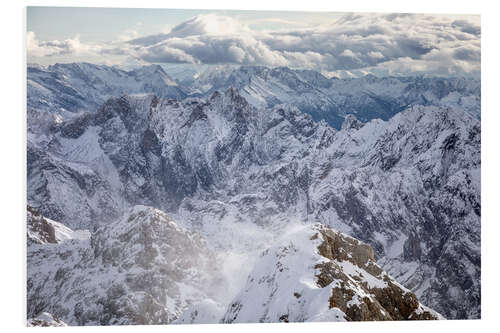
(366, 97)
(240, 173)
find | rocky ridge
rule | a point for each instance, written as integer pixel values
(317, 274)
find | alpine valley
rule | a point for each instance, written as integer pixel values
(250, 194)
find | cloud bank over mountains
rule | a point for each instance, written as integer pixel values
(355, 44)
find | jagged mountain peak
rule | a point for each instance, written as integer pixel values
(228, 97)
(153, 73)
(351, 122)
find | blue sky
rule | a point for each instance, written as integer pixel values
(105, 24)
(333, 43)
(101, 24)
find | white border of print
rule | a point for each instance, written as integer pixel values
(13, 166)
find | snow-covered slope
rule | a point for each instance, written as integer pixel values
(141, 269)
(205, 312)
(316, 274)
(239, 175)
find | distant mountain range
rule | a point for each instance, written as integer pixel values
(76, 87)
(65, 89)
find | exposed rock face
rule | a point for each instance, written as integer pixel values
(39, 230)
(392, 302)
(411, 248)
(351, 121)
(42, 230)
(141, 269)
(219, 165)
(317, 274)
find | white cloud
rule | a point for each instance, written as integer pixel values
(378, 43)
(376, 55)
(208, 24)
(348, 53)
(71, 46)
(128, 35)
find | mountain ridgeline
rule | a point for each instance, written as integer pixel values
(393, 162)
(66, 89)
